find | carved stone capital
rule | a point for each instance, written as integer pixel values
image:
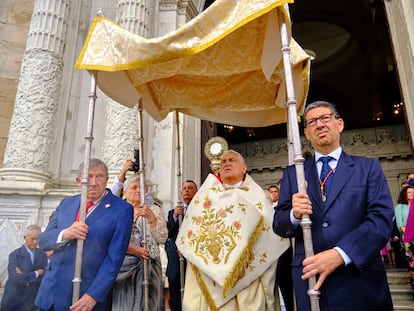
(168, 5)
(12, 179)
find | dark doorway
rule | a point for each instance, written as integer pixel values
(353, 65)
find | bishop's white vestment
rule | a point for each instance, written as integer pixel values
(227, 238)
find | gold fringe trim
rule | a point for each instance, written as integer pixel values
(204, 290)
(239, 268)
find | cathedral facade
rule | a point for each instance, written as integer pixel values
(45, 104)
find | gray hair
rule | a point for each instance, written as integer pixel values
(129, 180)
(236, 153)
(32, 228)
(321, 103)
(93, 163)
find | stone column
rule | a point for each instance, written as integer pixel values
(400, 15)
(121, 124)
(29, 147)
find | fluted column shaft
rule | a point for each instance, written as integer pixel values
(121, 123)
(32, 126)
(133, 16)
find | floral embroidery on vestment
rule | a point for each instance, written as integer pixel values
(227, 237)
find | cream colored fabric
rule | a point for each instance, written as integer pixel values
(257, 296)
(225, 65)
(227, 237)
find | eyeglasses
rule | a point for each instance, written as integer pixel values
(325, 118)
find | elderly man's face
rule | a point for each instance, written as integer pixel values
(97, 180)
(32, 239)
(232, 168)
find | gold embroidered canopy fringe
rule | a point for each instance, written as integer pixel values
(222, 66)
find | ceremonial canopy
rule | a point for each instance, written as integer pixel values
(224, 66)
(235, 63)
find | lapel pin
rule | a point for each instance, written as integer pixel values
(107, 205)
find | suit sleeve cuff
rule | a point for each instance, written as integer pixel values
(293, 220)
(59, 238)
(344, 256)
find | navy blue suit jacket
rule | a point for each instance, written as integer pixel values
(21, 288)
(357, 217)
(173, 266)
(103, 252)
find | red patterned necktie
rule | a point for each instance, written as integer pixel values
(89, 205)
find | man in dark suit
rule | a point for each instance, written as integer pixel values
(106, 233)
(351, 212)
(284, 280)
(26, 268)
(188, 190)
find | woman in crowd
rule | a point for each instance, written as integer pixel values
(128, 291)
(401, 214)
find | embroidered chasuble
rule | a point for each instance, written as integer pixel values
(227, 238)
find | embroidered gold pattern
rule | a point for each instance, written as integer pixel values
(249, 262)
(214, 239)
(266, 228)
(242, 207)
(245, 261)
(216, 189)
(263, 257)
(219, 239)
(204, 289)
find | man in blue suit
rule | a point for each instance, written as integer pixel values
(188, 190)
(106, 233)
(351, 221)
(25, 271)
